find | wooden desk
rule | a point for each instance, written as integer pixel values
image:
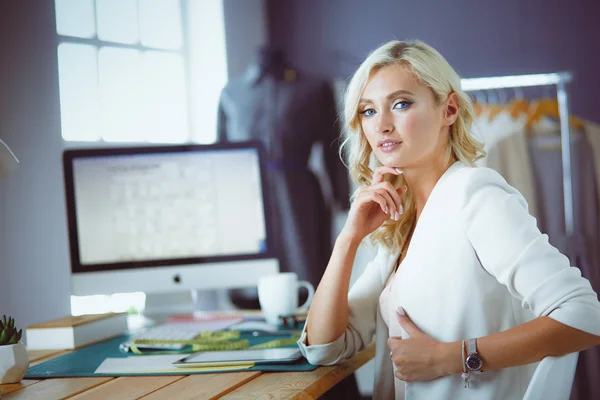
(233, 385)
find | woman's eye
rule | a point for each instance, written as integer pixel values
(369, 112)
(402, 105)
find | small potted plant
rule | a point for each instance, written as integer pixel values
(14, 360)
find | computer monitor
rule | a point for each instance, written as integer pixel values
(162, 219)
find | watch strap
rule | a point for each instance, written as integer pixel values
(472, 347)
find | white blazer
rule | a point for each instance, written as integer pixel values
(476, 265)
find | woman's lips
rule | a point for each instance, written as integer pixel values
(389, 145)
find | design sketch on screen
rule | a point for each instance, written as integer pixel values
(169, 206)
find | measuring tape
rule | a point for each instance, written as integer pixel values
(211, 341)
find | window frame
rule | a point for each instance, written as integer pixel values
(183, 51)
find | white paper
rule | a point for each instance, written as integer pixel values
(138, 364)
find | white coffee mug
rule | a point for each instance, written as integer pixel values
(278, 296)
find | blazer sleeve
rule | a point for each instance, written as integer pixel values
(510, 247)
(363, 301)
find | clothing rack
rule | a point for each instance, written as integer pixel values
(558, 79)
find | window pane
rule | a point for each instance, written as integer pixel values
(117, 20)
(121, 88)
(142, 96)
(75, 18)
(160, 23)
(207, 59)
(165, 97)
(78, 83)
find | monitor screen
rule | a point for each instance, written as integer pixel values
(169, 205)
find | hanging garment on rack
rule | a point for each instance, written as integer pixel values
(290, 116)
(506, 145)
(545, 153)
(582, 249)
(586, 385)
(492, 128)
(592, 132)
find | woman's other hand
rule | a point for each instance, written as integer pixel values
(420, 357)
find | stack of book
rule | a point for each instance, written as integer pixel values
(75, 331)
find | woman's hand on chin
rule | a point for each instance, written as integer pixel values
(373, 204)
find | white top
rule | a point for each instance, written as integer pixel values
(476, 265)
(387, 308)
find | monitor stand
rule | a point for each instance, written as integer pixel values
(159, 306)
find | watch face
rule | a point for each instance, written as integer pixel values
(474, 362)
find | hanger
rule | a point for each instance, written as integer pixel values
(549, 108)
(502, 96)
(520, 105)
(519, 93)
(482, 101)
(494, 110)
(517, 107)
(495, 107)
(477, 104)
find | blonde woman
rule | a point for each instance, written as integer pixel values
(465, 294)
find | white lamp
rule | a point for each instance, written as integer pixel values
(8, 161)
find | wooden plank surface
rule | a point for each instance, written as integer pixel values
(11, 387)
(300, 385)
(131, 387)
(204, 386)
(55, 388)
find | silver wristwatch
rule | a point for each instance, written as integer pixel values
(473, 361)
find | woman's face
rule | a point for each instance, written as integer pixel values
(401, 121)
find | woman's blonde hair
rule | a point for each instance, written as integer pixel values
(433, 71)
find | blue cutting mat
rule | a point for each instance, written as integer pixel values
(83, 362)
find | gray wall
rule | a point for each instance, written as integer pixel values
(3, 267)
(34, 279)
(479, 38)
(245, 31)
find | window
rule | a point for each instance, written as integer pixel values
(140, 70)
